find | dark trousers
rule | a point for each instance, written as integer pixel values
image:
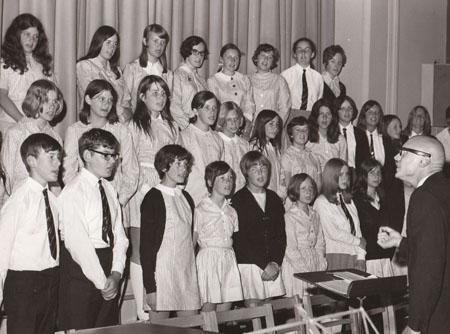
(81, 304)
(31, 299)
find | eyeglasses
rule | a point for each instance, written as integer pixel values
(413, 151)
(107, 156)
(155, 94)
(195, 52)
(104, 100)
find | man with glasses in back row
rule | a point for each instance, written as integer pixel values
(420, 163)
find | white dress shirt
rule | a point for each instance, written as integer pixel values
(351, 143)
(378, 146)
(81, 218)
(293, 76)
(24, 243)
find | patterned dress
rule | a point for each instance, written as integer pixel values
(324, 150)
(296, 161)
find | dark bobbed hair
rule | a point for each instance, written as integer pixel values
(333, 128)
(258, 137)
(337, 103)
(331, 51)
(214, 170)
(141, 116)
(225, 108)
(36, 96)
(189, 43)
(167, 155)
(267, 48)
(34, 144)
(100, 36)
(252, 158)
(307, 40)
(293, 190)
(96, 138)
(161, 33)
(200, 100)
(386, 121)
(362, 115)
(360, 187)
(93, 88)
(426, 126)
(225, 48)
(330, 181)
(12, 51)
(300, 120)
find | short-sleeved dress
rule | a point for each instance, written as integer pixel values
(217, 270)
(305, 248)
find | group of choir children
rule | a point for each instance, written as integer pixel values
(265, 174)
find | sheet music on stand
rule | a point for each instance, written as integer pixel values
(342, 284)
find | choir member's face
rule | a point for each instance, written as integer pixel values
(101, 104)
(300, 135)
(344, 179)
(154, 98)
(303, 53)
(271, 128)
(345, 113)
(45, 167)
(109, 47)
(334, 65)
(394, 129)
(258, 175)
(374, 177)
(264, 61)
(102, 161)
(373, 117)
(195, 60)
(29, 39)
(177, 173)
(223, 184)
(208, 113)
(306, 191)
(155, 45)
(232, 123)
(230, 61)
(325, 117)
(418, 120)
(50, 107)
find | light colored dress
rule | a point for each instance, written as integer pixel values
(133, 73)
(206, 147)
(235, 148)
(270, 91)
(14, 168)
(186, 83)
(17, 85)
(146, 148)
(236, 88)
(324, 151)
(296, 161)
(127, 173)
(176, 274)
(217, 270)
(305, 248)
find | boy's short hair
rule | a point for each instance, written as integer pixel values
(95, 138)
(307, 40)
(300, 121)
(293, 190)
(35, 143)
(251, 159)
(166, 156)
(214, 170)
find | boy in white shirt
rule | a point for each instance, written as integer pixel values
(95, 245)
(29, 242)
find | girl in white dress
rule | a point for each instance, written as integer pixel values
(229, 85)
(228, 124)
(152, 128)
(42, 104)
(152, 61)
(25, 59)
(215, 221)
(266, 139)
(202, 141)
(102, 62)
(167, 249)
(305, 244)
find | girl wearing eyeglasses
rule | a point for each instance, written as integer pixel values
(99, 111)
(186, 80)
(152, 127)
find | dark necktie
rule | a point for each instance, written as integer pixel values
(372, 151)
(344, 130)
(304, 92)
(106, 224)
(348, 215)
(50, 225)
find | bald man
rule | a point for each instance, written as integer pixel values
(420, 164)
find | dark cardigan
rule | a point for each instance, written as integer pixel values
(153, 223)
